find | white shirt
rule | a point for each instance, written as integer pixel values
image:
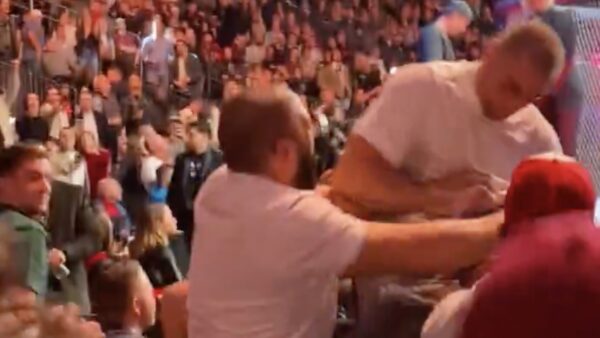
(150, 165)
(265, 259)
(76, 175)
(429, 121)
(57, 123)
(89, 124)
(448, 317)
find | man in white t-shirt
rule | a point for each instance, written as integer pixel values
(444, 126)
(266, 254)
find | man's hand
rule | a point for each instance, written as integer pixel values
(467, 193)
(472, 201)
(360, 96)
(56, 258)
(18, 313)
(66, 322)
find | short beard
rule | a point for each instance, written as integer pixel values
(306, 177)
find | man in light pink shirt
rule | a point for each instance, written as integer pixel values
(267, 254)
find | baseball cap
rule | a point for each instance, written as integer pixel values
(546, 185)
(460, 7)
(545, 283)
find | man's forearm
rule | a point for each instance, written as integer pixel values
(391, 193)
(426, 249)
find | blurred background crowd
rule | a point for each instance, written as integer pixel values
(167, 63)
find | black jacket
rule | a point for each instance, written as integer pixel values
(160, 266)
(32, 129)
(193, 69)
(188, 178)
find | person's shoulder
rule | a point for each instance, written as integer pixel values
(20, 222)
(430, 74)
(216, 152)
(414, 73)
(540, 130)
(448, 316)
(531, 116)
(429, 30)
(313, 208)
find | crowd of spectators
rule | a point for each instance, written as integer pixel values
(136, 63)
(125, 97)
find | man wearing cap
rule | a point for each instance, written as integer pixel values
(434, 42)
(544, 190)
(543, 284)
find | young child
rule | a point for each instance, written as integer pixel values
(109, 202)
(159, 189)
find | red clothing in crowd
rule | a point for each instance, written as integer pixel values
(98, 166)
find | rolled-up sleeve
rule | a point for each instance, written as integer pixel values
(328, 240)
(391, 123)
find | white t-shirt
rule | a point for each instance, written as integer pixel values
(448, 317)
(265, 259)
(429, 121)
(90, 125)
(150, 165)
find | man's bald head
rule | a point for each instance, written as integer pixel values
(254, 123)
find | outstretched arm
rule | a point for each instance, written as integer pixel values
(425, 249)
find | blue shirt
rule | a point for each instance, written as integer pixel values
(434, 45)
(562, 21)
(155, 53)
(32, 25)
(158, 194)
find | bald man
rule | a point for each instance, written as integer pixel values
(267, 253)
(444, 137)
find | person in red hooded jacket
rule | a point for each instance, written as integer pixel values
(544, 190)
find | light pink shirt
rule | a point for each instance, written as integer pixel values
(265, 259)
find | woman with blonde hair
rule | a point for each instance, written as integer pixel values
(151, 245)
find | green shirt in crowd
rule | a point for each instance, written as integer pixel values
(31, 250)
